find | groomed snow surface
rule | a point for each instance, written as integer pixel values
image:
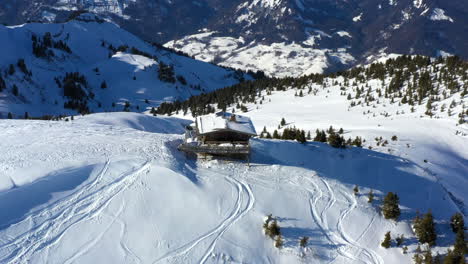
(112, 188)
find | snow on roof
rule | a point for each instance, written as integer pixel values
(225, 121)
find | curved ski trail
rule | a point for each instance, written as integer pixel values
(240, 210)
(351, 249)
(353, 244)
(55, 219)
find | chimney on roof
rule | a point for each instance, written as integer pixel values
(233, 118)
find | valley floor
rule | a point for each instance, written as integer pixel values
(112, 188)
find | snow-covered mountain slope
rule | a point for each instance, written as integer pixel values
(112, 67)
(113, 188)
(423, 106)
(281, 37)
(276, 59)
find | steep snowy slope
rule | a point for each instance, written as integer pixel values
(113, 188)
(111, 66)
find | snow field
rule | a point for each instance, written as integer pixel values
(113, 187)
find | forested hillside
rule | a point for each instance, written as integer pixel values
(439, 86)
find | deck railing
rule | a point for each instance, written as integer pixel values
(220, 148)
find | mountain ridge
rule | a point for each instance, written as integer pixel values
(340, 34)
(88, 64)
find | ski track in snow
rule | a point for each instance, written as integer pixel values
(322, 191)
(241, 208)
(85, 204)
(352, 249)
(352, 244)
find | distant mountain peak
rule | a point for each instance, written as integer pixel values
(274, 35)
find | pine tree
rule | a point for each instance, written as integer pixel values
(323, 137)
(275, 134)
(453, 258)
(317, 135)
(2, 83)
(283, 122)
(300, 136)
(390, 208)
(405, 249)
(15, 90)
(10, 115)
(279, 241)
(371, 197)
(103, 85)
(417, 258)
(336, 141)
(26, 115)
(387, 240)
(428, 257)
(356, 190)
(303, 241)
(460, 247)
(11, 69)
(400, 240)
(457, 222)
(273, 229)
(425, 229)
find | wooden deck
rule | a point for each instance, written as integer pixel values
(216, 149)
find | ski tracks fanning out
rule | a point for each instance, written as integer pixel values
(347, 247)
(53, 221)
(244, 203)
(353, 245)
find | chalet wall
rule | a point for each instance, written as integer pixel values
(225, 136)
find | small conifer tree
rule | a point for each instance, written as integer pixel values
(457, 222)
(460, 246)
(303, 241)
(283, 122)
(387, 240)
(400, 240)
(371, 197)
(405, 250)
(356, 190)
(279, 241)
(425, 229)
(390, 207)
(417, 258)
(428, 257)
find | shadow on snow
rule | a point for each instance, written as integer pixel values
(17, 203)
